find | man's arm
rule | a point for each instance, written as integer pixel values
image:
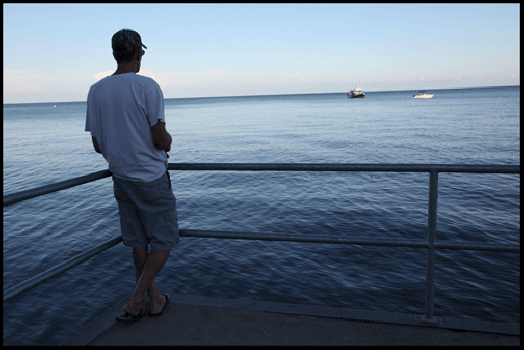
(161, 138)
(95, 144)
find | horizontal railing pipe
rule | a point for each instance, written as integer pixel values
(257, 236)
(346, 167)
(66, 265)
(32, 193)
(479, 247)
(40, 191)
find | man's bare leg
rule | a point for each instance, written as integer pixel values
(152, 265)
(139, 257)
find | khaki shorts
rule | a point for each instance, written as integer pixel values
(147, 213)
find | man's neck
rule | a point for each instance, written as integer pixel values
(125, 68)
(117, 73)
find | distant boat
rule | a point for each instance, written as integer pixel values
(422, 94)
(357, 93)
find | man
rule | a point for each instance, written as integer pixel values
(125, 115)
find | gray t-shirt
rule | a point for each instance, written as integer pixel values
(120, 112)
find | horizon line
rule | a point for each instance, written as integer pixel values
(313, 93)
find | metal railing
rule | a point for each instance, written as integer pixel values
(431, 245)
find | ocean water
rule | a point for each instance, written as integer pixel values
(44, 144)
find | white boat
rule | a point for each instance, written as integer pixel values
(422, 94)
(357, 93)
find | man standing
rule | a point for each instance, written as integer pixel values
(125, 115)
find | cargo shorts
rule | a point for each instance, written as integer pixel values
(147, 212)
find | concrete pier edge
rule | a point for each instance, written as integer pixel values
(107, 320)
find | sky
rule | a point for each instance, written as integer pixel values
(55, 52)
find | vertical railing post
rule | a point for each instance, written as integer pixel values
(432, 232)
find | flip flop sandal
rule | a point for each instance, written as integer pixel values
(128, 318)
(163, 309)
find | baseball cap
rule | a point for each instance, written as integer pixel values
(127, 40)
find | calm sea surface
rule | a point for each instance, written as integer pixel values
(44, 145)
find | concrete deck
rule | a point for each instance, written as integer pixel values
(191, 320)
